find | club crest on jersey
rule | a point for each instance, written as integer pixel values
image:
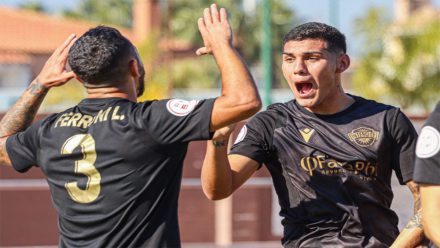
(363, 136)
(180, 107)
(307, 133)
(428, 143)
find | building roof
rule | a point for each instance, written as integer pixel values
(25, 31)
(11, 57)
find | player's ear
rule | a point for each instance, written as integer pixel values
(134, 69)
(343, 63)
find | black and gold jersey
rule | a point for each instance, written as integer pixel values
(114, 168)
(332, 173)
(427, 168)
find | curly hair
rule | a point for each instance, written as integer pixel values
(99, 56)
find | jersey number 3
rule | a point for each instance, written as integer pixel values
(84, 166)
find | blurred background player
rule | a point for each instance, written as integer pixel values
(427, 174)
(330, 154)
(113, 165)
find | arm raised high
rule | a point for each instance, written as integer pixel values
(239, 97)
(22, 113)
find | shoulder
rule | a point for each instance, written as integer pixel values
(268, 120)
(428, 143)
(391, 114)
(275, 113)
(48, 120)
(174, 106)
(282, 106)
(373, 105)
(434, 118)
(282, 110)
(146, 104)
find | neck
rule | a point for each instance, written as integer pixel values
(109, 92)
(333, 104)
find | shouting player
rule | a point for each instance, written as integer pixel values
(113, 165)
(330, 154)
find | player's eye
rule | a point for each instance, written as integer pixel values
(313, 58)
(288, 59)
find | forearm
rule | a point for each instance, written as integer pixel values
(22, 113)
(20, 116)
(216, 172)
(240, 97)
(236, 78)
(412, 235)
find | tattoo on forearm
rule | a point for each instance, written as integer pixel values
(21, 115)
(415, 222)
(414, 188)
(417, 204)
(36, 88)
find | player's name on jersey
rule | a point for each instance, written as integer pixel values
(73, 119)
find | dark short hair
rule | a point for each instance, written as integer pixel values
(100, 55)
(316, 30)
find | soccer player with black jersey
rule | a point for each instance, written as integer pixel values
(330, 154)
(427, 174)
(113, 165)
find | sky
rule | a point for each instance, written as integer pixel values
(348, 11)
(307, 10)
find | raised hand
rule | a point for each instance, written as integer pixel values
(215, 30)
(22, 113)
(54, 70)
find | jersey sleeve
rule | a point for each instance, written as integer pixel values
(404, 139)
(255, 138)
(174, 120)
(427, 166)
(22, 148)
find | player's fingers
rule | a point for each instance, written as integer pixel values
(69, 41)
(62, 78)
(69, 45)
(65, 44)
(203, 51)
(68, 75)
(65, 52)
(207, 17)
(223, 15)
(202, 27)
(214, 13)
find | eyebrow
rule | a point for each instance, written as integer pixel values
(306, 53)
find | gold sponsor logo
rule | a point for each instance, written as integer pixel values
(311, 164)
(307, 133)
(363, 136)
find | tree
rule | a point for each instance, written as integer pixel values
(401, 61)
(33, 6)
(180, 23)
(245, 21)
(116, 12)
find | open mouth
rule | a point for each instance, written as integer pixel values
(304, 88)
